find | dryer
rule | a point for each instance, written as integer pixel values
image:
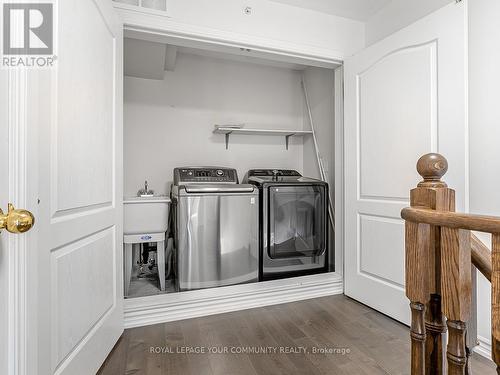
(293, 233)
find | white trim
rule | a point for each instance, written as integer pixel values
(178, 306)
(140, 9)
(140, 25)
(466, 109)
(143, 238)
(484, 347)
(339, 199)
(17, 278)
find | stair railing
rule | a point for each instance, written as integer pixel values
(441, 253)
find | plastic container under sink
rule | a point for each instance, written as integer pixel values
(145, 215)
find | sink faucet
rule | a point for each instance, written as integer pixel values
(145, 191)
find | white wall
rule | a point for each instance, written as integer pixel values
(397, 15)
(320, 85)
(169, 123)
(484, 124)
(271, 25)
(320, 88)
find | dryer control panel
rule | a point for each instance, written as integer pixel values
(205, 175)
(273, 172)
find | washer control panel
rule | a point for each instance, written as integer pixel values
(201, 175)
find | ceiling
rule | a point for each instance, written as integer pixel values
(359, 10)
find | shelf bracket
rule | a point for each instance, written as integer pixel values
(227, 139)
(287, 139)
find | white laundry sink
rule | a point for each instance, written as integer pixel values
(143, 215)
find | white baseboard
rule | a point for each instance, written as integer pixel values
(145, 311)
(484, 347)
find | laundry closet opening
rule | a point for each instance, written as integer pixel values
(225, 181)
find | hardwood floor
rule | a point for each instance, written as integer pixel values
(367, 342)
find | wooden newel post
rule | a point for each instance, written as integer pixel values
(432, 193)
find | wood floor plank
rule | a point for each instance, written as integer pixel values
(193, 337)
(174, 363)
(156, 339)
(380, 332)
(299, 361)
(327, 332)
(254, 334)
(224, 337)
(377, 345)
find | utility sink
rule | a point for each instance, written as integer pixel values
(145, 215)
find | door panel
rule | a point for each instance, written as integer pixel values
(397, 101)
(79, 219)
(404, 96)
(83, 175)
(81, 285)
(372, 247)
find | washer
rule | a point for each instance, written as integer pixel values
(293, 223)
(216, 229)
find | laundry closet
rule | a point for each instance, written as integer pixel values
(205, 109)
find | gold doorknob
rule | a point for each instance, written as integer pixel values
(16, 221)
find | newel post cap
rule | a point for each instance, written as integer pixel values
(432, 167)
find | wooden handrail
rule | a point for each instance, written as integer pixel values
(481, 257)
(454, 220)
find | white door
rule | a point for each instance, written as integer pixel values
(74, 138)
(404, 96)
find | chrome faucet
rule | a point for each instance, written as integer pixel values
(145, 191)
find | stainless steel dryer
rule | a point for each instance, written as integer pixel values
(216, 229)
(293, 223)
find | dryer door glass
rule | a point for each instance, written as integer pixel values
(297, 221)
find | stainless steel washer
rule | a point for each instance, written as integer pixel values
(216, 228)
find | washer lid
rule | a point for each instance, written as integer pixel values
(222, 188)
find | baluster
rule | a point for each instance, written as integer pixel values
(434, 194)
(456, 284)
(417, 243)
(495, 300)
(471, 341)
